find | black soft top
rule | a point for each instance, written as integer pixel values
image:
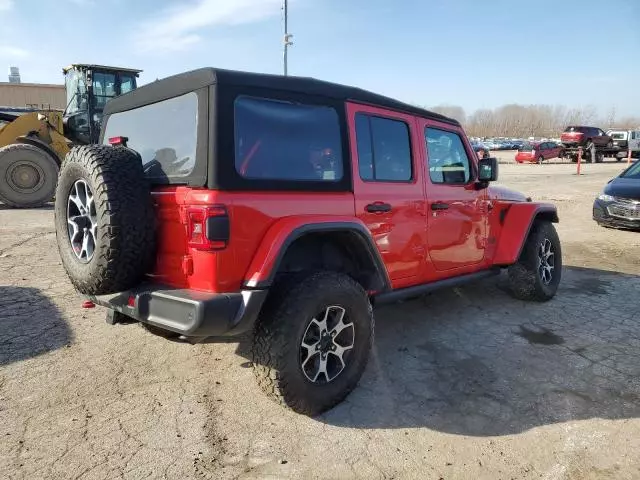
(189, 81)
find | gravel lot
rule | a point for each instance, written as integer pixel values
(465, 383)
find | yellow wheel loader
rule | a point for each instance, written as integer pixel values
(33, 144)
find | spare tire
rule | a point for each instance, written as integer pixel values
(104, 219)
(28, 175)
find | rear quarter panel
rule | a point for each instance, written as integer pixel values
(260, 223)
(251, 216)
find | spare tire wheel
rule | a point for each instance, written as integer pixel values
(104, 219)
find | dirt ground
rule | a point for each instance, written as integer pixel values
(465, 383)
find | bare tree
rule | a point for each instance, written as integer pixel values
(452, 111)
(540, 121)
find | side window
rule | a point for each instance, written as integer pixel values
(600, 133)
(447, 159)
(384, 149)
(163, 133)
(278, 140)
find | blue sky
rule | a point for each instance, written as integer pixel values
(471, 53)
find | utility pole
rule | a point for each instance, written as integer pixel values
(287, 36)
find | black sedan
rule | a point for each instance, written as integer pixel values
(619, 203)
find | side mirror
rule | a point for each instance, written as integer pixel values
(488, 169)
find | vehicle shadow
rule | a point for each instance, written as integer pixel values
(48, 206)
(30, 325)
(474, 361)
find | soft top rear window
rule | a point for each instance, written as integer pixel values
(163, 133)
(282, 140)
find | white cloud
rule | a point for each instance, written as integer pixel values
(17, 52)
(181, 26)
(6, 5)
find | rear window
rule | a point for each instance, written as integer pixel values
(163, 133)
(575, 129)
(527, 146)
(281, 140)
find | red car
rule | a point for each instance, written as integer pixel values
(538, 152)
(285, 208)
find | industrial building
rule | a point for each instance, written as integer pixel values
(42, 96)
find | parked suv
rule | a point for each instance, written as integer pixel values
(585, 137)
(224, 203)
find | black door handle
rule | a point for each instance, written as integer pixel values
(439, 206)
(378, 207)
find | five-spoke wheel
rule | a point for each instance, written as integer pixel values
(82, 221)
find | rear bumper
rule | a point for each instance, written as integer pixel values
(188, 312)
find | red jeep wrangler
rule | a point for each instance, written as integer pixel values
(232, 202)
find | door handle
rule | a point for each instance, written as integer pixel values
(378, 207)
(439, 206)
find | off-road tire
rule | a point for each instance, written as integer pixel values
(125, 243)
(278, 334)
(36, 158)
(525, 281)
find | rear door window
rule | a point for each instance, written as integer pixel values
(163, 133)
(282, 140)
(384, 149)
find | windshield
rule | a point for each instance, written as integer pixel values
(619, 136)
(76, 91)
(632, 172)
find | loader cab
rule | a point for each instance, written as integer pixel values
(88, 89)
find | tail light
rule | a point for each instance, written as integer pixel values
(118, 141)
(207, 227)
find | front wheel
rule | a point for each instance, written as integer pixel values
(28, 176)
(540, 160)
(537, 273)
(312, 341)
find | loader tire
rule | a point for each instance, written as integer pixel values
(28, 176)
(104, 219)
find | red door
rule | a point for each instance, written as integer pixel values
(456, 209)
(389, 188)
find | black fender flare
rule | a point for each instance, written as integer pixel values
(359, 232)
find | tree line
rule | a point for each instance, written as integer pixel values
(523, 121)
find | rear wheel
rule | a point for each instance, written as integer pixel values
(312, 341)
(537, 273)
(28, 176)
